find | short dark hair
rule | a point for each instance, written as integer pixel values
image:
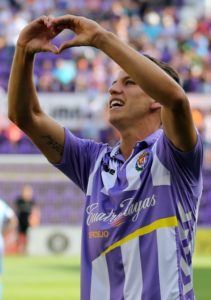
(169, 70)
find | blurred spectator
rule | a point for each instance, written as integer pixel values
(3, 119)
(198, 118)
(65, 72)
(14, 134)
(28, 215)
(207, 133)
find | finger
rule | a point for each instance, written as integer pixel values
(54, 31)
(48, 20)
(68, 21)
(69, 44)
(64, 19)
(42, 20)
(51, 48)
(58, 29)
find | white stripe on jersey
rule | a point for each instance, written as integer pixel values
(133, 272)
(184, 237)
(100, 286)
(185, 267)
(133, 176)
(160, 174)
(109, 179)
(187, 288)
(185, 217)
(91, 177)
(167, 259)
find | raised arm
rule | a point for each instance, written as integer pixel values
(24, 108)
(176, 113)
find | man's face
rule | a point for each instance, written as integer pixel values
(128, 103)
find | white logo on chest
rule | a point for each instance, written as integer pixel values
(129, 208)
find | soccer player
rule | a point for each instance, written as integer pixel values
(142, 195)
(26, 209)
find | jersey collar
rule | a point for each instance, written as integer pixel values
(147, 142)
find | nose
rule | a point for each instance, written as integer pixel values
(115, 88)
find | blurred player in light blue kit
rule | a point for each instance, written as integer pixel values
(8, 222)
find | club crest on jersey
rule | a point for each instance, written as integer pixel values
(142, 160)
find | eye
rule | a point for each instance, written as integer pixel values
(129, 81)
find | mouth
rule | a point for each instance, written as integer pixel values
(115, 103)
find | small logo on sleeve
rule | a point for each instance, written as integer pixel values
(142, 161)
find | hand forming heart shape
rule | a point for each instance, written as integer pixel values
(37, 36)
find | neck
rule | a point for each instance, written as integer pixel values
(130, 137)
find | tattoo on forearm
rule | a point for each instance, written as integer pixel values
(53, 144)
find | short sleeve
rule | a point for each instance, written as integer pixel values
(78, 158)
(184, 166)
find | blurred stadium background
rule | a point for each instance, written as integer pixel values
(73, 89)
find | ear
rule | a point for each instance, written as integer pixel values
(155, 105)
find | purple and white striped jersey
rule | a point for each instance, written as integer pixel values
(139, 219)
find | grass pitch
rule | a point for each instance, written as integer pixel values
(43, 278)
(58, 278)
